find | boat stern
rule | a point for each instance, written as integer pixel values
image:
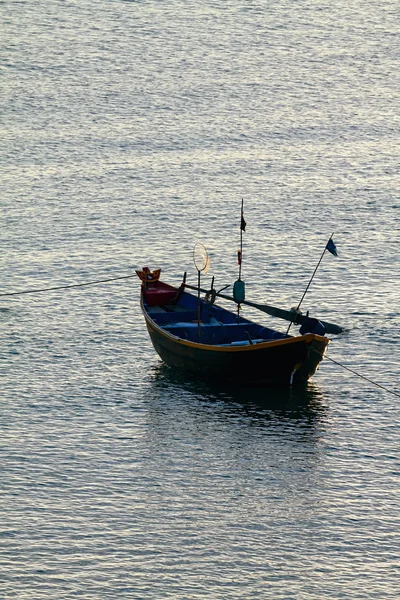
(316, 349)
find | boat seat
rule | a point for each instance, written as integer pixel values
(171, 319)
(152, 310)
(216, 334)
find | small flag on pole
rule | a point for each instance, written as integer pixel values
(239, 255)
(331, 247)
(242, 223)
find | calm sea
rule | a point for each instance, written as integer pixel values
(131, 130)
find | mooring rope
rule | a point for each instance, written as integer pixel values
(362, 376)
(77, 285)
(65, 287)
(355, 373)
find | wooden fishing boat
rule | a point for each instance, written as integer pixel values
(203, 339)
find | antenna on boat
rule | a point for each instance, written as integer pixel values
(330, 246)
(202, 263)
(238, 286)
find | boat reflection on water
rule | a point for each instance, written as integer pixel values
(249, 434)
(304, 403)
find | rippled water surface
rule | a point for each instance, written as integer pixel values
(131, 130)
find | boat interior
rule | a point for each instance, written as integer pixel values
(218, 326)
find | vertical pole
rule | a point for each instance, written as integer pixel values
(241, 241)
(198, 305)
(241, 252)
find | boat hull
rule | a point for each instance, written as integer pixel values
(283, 362)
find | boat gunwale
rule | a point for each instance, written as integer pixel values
(307, 338)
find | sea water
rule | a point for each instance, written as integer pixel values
(130, 131)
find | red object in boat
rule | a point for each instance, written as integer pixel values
(155, 292)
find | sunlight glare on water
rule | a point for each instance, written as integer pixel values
(132, 130)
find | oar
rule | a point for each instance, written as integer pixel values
(287, 315)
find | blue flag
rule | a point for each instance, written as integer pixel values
(331, 247)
